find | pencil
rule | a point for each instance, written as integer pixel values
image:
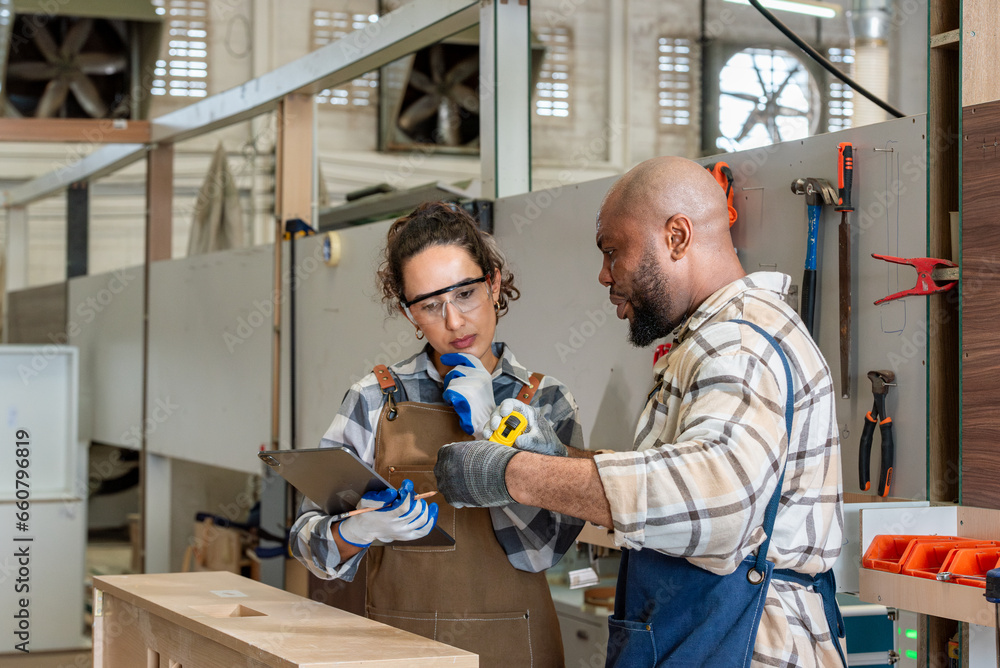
(358, 511)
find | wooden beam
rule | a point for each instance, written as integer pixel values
(294, 168)
(159, 203)
(89, 131)
(980, 48)
(946, 40)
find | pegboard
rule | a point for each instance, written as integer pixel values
(563, 324)
(890, 197)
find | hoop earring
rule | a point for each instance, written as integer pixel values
(496, 307)
(420, 335)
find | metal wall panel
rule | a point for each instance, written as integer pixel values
(209, 397)
(104, 320)
(563, 324)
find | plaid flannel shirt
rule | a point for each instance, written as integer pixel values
(707, 455)
(534, 539)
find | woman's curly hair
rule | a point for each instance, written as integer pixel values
(440, 224)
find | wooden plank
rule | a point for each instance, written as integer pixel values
(980, 52)
(595, 535)
(83, 130)
(981, 523)
(211, 614)
(928, 597)
(159, 202)
(946, 40)
(294, 168)
(980, 287)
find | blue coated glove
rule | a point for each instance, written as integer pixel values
(469, 389)
(400, 516)
(538, 437)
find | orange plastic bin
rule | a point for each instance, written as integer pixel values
(972, 561)
(925, 559)
(887, 551)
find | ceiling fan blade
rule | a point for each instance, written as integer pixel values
(422, 82)
(464, 97)
(462, 71)
(101, 63)
(792, 112)
(47, 45)
(417, 112)
(76, 38)
(438, 67)
(33, 71)
(52, 98)
(87, 95)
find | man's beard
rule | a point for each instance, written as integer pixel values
(651, 304)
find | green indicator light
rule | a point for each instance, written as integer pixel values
(911, 634)
(911, 654)
(900, 631)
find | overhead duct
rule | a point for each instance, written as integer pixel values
(870, 25)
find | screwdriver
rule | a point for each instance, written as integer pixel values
(512, 426)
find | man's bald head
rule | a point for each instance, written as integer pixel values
(657, 189)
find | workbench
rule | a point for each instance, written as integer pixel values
(218, 619)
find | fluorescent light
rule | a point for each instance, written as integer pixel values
(823, 10)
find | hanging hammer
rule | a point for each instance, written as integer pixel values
(818, 192)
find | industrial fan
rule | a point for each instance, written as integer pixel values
(85, 61)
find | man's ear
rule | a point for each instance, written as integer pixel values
(677, 233)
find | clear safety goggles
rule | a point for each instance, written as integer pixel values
(466, 296)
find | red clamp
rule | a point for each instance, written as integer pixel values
(927, 275)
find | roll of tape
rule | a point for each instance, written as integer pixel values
(331, 249)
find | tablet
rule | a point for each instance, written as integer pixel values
(335, 479)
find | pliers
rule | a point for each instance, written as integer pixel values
(881, 381)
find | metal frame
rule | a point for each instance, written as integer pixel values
(505, 98)
(396, 34)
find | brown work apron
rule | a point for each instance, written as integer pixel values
(466, 595)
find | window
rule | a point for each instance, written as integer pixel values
(840, 105)
(765, 96)
(553, 86)
(676, 82)
(329, 26)
(183, 70)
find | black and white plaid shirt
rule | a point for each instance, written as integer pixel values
(706, 460)
(534, 539)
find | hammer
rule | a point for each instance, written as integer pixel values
(818, 192)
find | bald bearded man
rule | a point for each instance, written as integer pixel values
(729, 506)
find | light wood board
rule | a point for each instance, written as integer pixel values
(186, 618)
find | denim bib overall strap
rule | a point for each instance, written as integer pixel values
(669, 612)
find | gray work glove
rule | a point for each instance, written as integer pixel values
(538, 437)
(471, 473)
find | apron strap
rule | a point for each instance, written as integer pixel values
(392, 389)
(527, 392)
(771, 513)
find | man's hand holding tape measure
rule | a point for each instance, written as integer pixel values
(514, 423)
(472, 473)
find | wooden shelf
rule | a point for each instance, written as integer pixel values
(946, 40)
(927, 597)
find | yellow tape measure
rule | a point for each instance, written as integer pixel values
(512, 426)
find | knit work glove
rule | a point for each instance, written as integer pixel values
(471, 473)
(538, 437)
(400, 516)
(469, 388)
